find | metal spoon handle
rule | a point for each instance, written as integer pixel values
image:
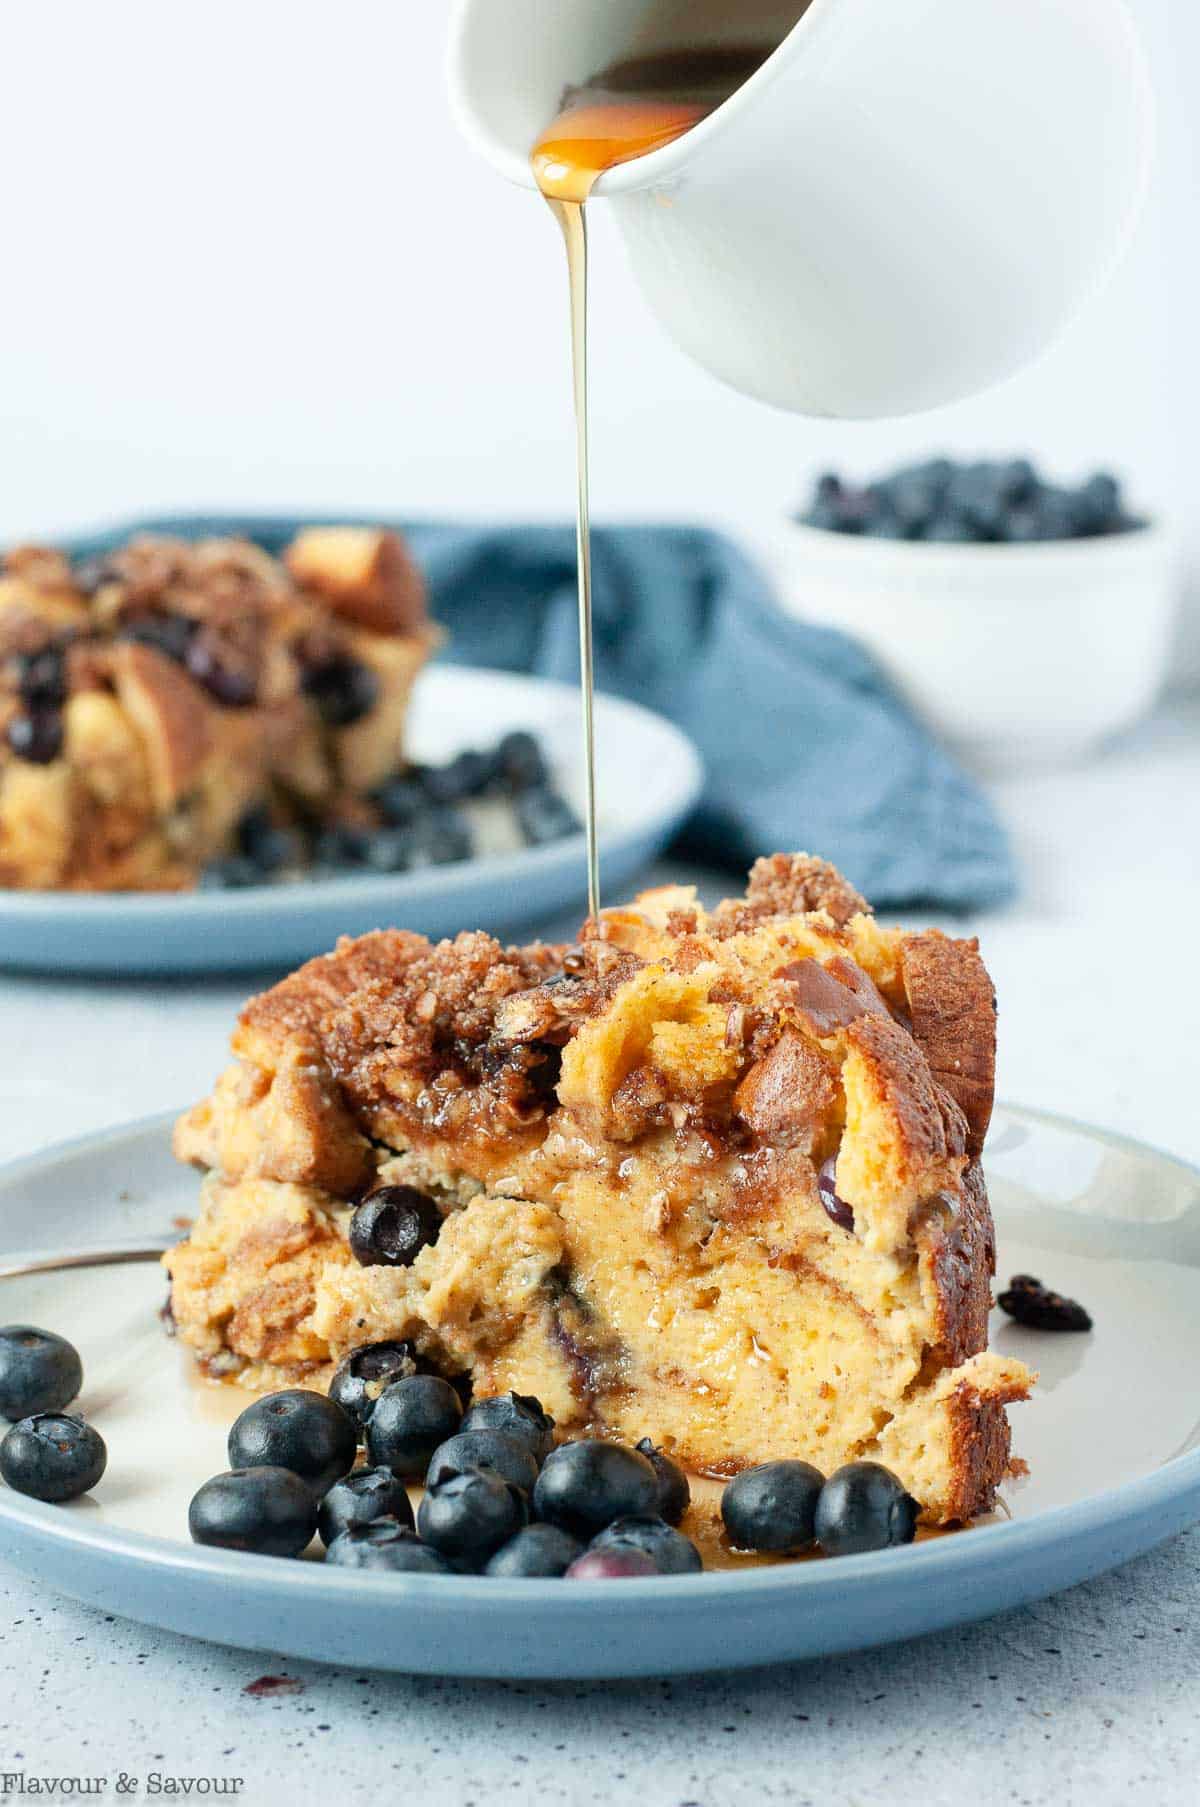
(116, 1255)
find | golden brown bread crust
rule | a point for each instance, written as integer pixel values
(366, 574)
(952, 1004)
(959, 1259)
(981, 1451)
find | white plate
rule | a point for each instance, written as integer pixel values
(649, 778)
(1112, 1438)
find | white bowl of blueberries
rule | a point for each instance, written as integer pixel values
(1026, 622)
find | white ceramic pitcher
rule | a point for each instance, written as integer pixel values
(903, 205)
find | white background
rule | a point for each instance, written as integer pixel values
(247, 261)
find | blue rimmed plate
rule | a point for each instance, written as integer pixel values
(649, 780)
(1112, 1441)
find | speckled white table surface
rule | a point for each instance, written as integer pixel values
(1088, 1697)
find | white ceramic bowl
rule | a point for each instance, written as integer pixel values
(1015, 655)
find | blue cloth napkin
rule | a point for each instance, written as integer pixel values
(805, 743)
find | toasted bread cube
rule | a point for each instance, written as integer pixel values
(366, 574)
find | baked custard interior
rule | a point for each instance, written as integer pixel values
(708, 1177)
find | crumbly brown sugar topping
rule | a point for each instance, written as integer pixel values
(661, 1017)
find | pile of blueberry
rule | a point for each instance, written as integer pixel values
(500, 1498)
(1003, 502)
(49, 1453)
(416, 818)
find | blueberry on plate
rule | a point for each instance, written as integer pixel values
(625, 1564)
(518, 1415)
(231, 874)
(543, 816)
(361, 1377)
(585, 1486)
(339, 845)
(466, 775)
(39, 1371)
(519, 761)
(361, 1498)
(387, 1545)
(267, 846)
(392, 1225)
(267, 1510)
(670, 1551)
(445, 838)
(864, 1507)
(298, 1430)
(539, 1551)
(773, 1507)
(401, 801)
(485, 1449)
(411, 1418)
(392, 850)
(468, 1515)
(674, 1492)
(52, 1456)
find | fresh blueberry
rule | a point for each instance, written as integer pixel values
(361, 1498)
(52, 1456)
(485, 1449)
(411, 1418)
(467, 1515)
(401, 801)
(772, 1507)
(466, 775)
(519, 761)
(674, 1492)
(864, 1507)
(585, 1486)
(234, 873)
(387, 1545)
(626, 1564)
(392, 850)
(444, 838)
(219, 672)
(836, 1208)
(299, 1430)
(264, 843)
(39, 1371)
(343, 689)
(36, 735)
(1100, 502)
(670, 1551)
(948, 529)
(538, 1550)
(543, 816)
(267, 1510)
(392, 1226)
(361, 1377)
(518, 1415)
(341, 844)
(42, 678)
(1018, 481)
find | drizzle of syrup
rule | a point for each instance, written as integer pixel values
(628, 110)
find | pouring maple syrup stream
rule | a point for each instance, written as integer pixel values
(626, 111)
